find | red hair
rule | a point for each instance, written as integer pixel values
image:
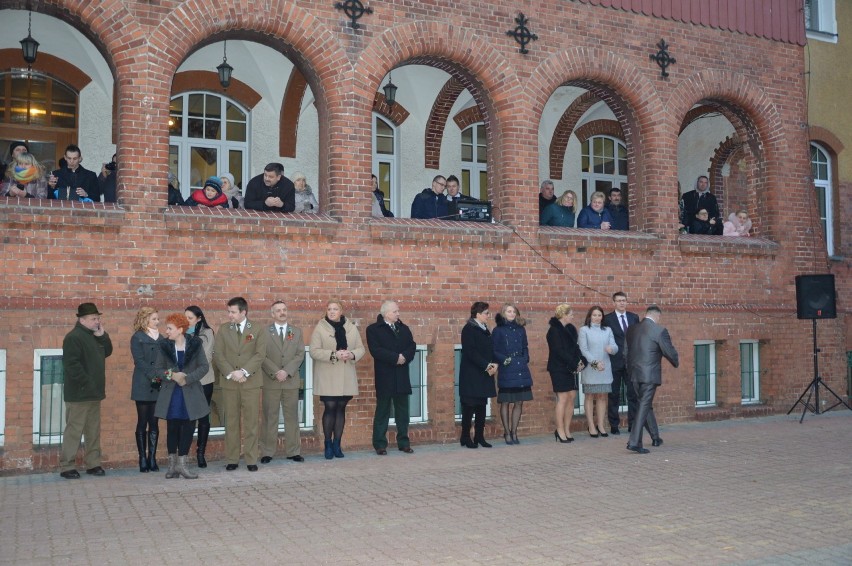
(179, 320)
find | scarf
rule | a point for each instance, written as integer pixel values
(339, 332)
(25, 174)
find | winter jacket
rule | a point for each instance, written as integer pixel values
(429, 204)
(589, 218)
(195, 367)
(511, 353)
(733, 227)
(146, 355)
(558, 215)
(563, 352)
(476, 354)
(84, 364)
(385, 346)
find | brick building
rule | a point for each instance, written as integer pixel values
(586, 106)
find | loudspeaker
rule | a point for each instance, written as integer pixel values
(815, 296)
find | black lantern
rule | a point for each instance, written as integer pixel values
(390, 92)
(224, 69)
(29, 46)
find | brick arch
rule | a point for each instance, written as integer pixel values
(289, 29)
(757, 124)
(469, 58)
(826, 138)
(396, 113)
(633, 99)
(47, 64)
(437, 121)
(732, 146)
(694, 114)
(599, 128)
(564, 129)
(209, 81)
(468, 117)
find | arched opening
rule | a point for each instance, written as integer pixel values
(821, 171)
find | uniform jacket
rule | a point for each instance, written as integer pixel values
(511, 353)
(476, 354)
(647, 344)
(335, 377)
(385, 347)
(146, 355)
(231, 352)
(288, 356)
(84, 364)
(612, 322)
(195, 367)
(563, 352)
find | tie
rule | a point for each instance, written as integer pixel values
(623, 324)
(393, 327)
(239, 330)
(281, 334)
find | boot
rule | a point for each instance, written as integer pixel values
(182, 469)
(172, 472)
(329, 453)
(479, 429)
(335, 447)
(140, 446)
(153, 437)
(201, 447)
(464, 440)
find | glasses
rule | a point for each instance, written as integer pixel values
(440, 184)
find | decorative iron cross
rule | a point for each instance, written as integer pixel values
(663, 58)
(522, 33)
(353, 9)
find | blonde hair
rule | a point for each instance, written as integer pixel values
(334, 302)
(562, 309)
(598, 195)
(566, 193)
(521, 321)
(141, 322)
(299, 175)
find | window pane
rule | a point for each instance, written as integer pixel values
(385, 182)
(598, 146)
(174, 163)
(175, 125)
(62, 93)
(52, 407)
(195, 128)
(384, 145)
(467, 136)
(483, 185)
(234, 113)
(195, 106)
(383, 128)
(63, 115)
(235, 166)
(465, 181)
(480, 134)
(467, 152)
(203, 164)
(212, 106)
(212, 129)
(821, 201)
(702, 373)
(481, 154)
(584, 164)
(416, 377)
(236, 131)
(609, 165)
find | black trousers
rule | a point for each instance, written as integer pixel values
(477, 414)
(619, 377)
(179, 436)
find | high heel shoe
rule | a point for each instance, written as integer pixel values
(593, 435)
(515, 438)
(508, 438)
(481, 442)
(559, 438)
(603, 432)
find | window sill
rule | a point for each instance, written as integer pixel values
(584, 239)
(826, 36)
(186, 219)
(724, 245)
(49, 213)
(439, 231)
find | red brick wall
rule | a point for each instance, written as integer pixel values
(58, 254)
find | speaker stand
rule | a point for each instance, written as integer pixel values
(812, 390)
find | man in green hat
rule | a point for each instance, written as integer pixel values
(84, 353)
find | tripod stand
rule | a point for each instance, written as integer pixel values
(812, 390)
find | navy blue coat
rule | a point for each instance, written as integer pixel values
(588, 218)
(429, 204)
(509, 340)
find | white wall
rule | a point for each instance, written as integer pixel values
(696, 146)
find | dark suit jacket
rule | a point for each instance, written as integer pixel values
(288, 357)
(385, 347)
(230, 352)
(611, 320)
(647, 344)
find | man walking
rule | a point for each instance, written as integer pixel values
(238, 353)
(84, 353)
(285, 353)
(392, 347)
(647, 344)
(619, 321)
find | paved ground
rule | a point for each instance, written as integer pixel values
(757, 491)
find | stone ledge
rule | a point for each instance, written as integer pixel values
(726, 245)
(440, 231)
(706, 414)
(39, 214)
(224, 220)
(584, 239)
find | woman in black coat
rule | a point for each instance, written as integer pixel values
(145, 348)
(564, 360)
(476, 375)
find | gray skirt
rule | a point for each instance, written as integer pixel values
(597, 388)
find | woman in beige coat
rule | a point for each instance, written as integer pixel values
(335, 348)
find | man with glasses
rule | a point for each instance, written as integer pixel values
(431, 203)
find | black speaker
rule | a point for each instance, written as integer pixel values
(815, 296)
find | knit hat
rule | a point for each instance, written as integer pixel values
(172, 179)
(15, 144)
(214, 182)
(229, 177)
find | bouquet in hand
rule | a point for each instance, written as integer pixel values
(157, 380)
(595, 365)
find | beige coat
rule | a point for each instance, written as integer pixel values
(335, 378)
(207, 339)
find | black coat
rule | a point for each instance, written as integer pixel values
(563, 351)
(257, 192)
(692, 202)
(611, 321)
(82, 177)
(475, 357)
(385, 347)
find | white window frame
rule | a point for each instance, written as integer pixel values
(755, 371)
(711, 368)
(393, 163)
(826, 29)
(424, 389)
(38, 439)
(184, 143)
(590, 177)
(306, 404)
(2, 397)
(457, 351)
(824, 186)
(475, 167)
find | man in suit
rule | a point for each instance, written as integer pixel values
(392, 347)
(647, 344)
(619, 321)
(238, 354)
(73, 182)
(285, 354)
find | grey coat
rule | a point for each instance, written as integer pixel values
(195, 367)
(593, 339)
(647, 344)
(146, 355)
